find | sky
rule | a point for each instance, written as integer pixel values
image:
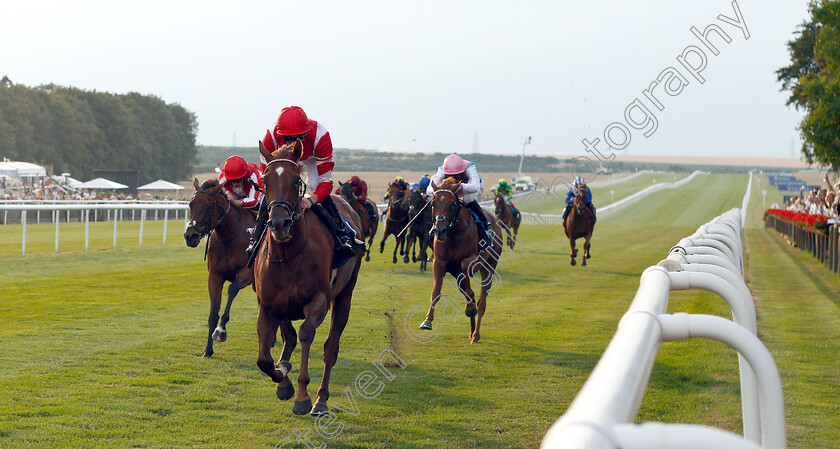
(448, 76)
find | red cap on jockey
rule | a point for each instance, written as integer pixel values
(291, 122)
(355, 179)
(235, 167)
(454, 164)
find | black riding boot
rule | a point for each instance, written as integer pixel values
(371, 211)
(484, 225)
(344, 246)
(566, 212)
(257, 232)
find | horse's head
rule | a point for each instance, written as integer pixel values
(499, 201)
(396, 196)
(416, 202)
(283, 187)
(446, 205)
(207, 209)
(580, 200)
(347, 189)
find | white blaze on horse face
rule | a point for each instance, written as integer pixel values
(279, 171)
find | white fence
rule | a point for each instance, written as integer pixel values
(603, 413)
(111, 211)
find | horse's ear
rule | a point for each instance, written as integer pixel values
(434, 186)
(297, 150)
(216, 188)
(196, 185)
(264, 151)
(340, 184)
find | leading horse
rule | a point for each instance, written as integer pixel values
(395, 220)
(458, 253)
(505, 216)
(580, 223)
(213, 215)
(295, 280)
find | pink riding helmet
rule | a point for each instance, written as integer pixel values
(454, 164)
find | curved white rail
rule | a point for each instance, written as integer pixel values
(603, 413)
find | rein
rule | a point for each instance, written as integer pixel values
(206, 229)
(453, 221)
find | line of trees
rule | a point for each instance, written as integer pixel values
(80, 131)
(813, 79)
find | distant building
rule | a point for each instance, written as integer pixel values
(15, 174)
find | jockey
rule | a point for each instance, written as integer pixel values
(293, 124)
(471, 185)
(579, 183)
(505, 189)
(360, 192)
(242, 182)
(422, 185)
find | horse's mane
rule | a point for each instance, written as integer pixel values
(210, 183)
(449, 183)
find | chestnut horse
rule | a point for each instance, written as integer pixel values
(580, 223)
(420, 218)
(505, 215)
(396, 220)
(213, 215)
(458, 253)
(295, 280)
(369, 224)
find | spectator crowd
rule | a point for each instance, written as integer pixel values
(823, 201)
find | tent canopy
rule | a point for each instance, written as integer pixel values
(160, 184)
(101, 183)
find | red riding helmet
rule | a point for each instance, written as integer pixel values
(291, 122)
(355, 179)
(235, 167)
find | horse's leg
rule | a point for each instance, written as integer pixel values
(515, 232)
(438, 271)
(267, 334)
(315, 312)
(423, 245)
(397, 247)
(385, 235)
(338, 320)
(285, 389)
(241, 281)
(410, 239)
(214, 285)
(586, 246)
(372, 231)
(470, 309)
(481, 304)
(574, 250)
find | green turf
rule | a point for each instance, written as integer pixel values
(102, 349)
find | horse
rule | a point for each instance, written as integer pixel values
(458, 253)
(396, 220)
(213, 215)
(295, 280)
(369, 224)
(420, 218)
(580, 223)
(505, 215)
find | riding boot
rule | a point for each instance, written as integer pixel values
(566, 213)
(344, 245)
(371, 211)
(257, 232)
(484, 225)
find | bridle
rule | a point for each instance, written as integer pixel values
(205, 227)
(289, 207)
(453, 219)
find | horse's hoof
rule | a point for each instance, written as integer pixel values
(471, 312)
(395, 260)
(405, 259)
(427, 325)
(302, 408)
(573, 262)
(220, 335)
(284, 393)
(320, 410)
(207, 354)
(475, 339)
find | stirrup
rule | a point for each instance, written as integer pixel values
(251, 230)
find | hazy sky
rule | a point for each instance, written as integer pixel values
(430, 75)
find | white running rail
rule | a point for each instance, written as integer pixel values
(603, 413)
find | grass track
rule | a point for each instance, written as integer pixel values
(102, 349)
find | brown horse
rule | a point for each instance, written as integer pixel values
(420, 217)
(457, 253)
(212, 214)
(506, 216)
(580, 223)
(295, 280)
(369, 224)
(396, 220)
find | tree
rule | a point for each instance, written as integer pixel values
(813, 77)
